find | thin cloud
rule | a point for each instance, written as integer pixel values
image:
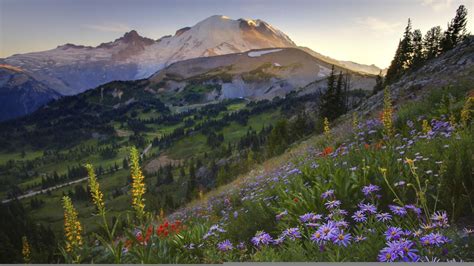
(437, 5)
(378, 25)
(109, 27)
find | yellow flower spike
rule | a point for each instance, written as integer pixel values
(355, 122)
(327, 129)
(452, 120)
(26, 252)
(97, 196)
(201, 194)
(387, 114)
(138, 185)
(466, 112)
(426, 127)
(72, 226)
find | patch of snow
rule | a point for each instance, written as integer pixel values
(262, 52)
(276, 64)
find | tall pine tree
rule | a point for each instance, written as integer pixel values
(378, 83)
(418, 50)
(456, 31)
(326, 106)
(403, 57)
(407, 47)
(432, 42)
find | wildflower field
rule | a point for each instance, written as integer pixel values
(399, 187)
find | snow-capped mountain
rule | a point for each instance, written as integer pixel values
(71, 69)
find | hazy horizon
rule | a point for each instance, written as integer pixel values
(365, 32)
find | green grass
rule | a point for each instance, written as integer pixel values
(16, 156)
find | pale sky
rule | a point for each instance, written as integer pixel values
(363, 31)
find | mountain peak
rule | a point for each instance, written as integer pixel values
(132, 36)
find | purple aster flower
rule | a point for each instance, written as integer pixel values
(383, 217)
(342, 223)
(434, 239)
(341, 239)
(280, 215)
(368, 190)
(241, 245)
(417, 233)
(225, 245)
(440, 219)
(388, 254)
(216, 228)
(359, 216)
(343, 212)
(279, 241)
(328, 230)
(359, 238)
(261, 238)
(292, 233)
(398, 251)
(393, 233)
(327, 194)
(332, 204)
(317, 237)
(413, 208)
(313, 225)
(408, 252)
(309, 217)
(368, 208)
(398, 210)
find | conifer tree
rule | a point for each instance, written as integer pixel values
(328, 98)
(407, 47)
(456, 31)
(403, 57)
(339, 103)
(418, 50)
(394, 70)
(432, 42)
(378, 83)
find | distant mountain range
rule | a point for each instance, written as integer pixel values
(21, 94)
(71, 69)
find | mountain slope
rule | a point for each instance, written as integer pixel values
(257, 74)
(20, 93)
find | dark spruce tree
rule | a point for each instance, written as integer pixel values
(403, 57)
(378, 83)
(432, 42)
(326, 105)
(456, 31)
(418, 50)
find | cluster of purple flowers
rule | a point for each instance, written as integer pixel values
(398, 210)
(214, 231)
(370, 189)
(434, 239)
(310, 217)
(225, 245)
(440, 219)
(292, 233)
(330, 231)
(328, 194)
(261, 239)
(399, 250)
